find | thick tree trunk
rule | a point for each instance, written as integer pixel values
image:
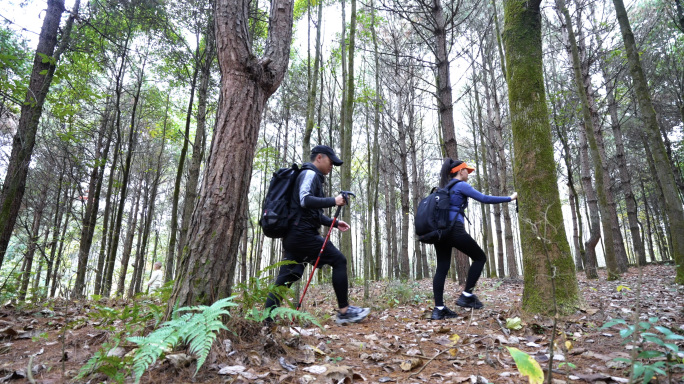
(548, 267)
(44, 65)
(664, 172)
(208, 261)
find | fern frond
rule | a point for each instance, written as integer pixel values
(198, 328)
(290, 314)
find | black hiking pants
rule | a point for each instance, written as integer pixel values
(460, 239)
(304, 247)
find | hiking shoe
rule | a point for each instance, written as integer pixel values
(353, 315)
(469, 302)
(444, 313)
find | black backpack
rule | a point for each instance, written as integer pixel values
(432, 215)
(277, 212)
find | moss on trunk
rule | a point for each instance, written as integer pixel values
(546, 252)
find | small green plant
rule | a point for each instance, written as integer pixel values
(256, 289)
(661, 346)
(402, 292)
(134, 318)
(197, 329)
(254, 293)
(41, 337)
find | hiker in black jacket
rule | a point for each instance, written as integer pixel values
(303, 242)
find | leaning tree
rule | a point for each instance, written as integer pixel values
(247, 81)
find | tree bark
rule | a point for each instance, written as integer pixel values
(549, 274)
(664, 172)
(44, 66)
(208, 261)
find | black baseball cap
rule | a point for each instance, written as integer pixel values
(324, 149)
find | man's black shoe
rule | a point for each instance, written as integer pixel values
(444, 313)
(469, 301)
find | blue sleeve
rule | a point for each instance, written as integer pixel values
(469, 191)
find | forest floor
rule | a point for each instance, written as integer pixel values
(397, 343)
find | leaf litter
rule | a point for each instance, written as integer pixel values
(396, 344)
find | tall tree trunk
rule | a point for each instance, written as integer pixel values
(573, 196)
(346, 139)
(618, 240)
(106, 224)
(546, 253)
(246, 84)
(602, 188)
(625, 177)
(173, 235)
(200, 136)
(483, 183)
(57, 224)
(311, 100)
(58, 261)
(404, 267)
(136, 284)
(492, 148)
(444, 97)
(132, 140)
(128, 241)
(498, 143)
(664, 172)
(44, 66)
(92, 207)
(34, 234)
(592, 201)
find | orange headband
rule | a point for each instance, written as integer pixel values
(457, 168)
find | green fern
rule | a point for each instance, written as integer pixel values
(197, 330)
(290, 314)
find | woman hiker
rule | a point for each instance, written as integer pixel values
(458, 238)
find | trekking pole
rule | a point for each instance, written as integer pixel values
(345, 195)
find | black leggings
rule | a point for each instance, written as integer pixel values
(460, 239)
(303, 247)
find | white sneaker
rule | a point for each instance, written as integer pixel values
(353, 315)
